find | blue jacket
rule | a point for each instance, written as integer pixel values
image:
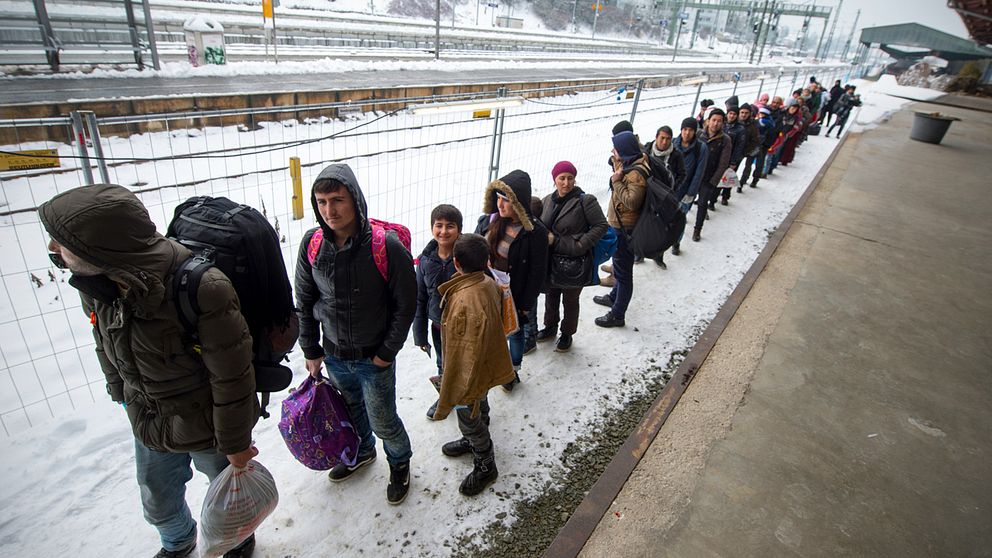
(432, 272)
(694, 157)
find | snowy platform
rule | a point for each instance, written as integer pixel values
(844, 411)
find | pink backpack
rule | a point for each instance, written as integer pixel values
(379, 230)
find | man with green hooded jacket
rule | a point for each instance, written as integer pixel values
(184, 403)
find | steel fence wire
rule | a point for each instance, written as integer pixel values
(406, 164)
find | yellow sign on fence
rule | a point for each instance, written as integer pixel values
(482, 113)
(32, 159)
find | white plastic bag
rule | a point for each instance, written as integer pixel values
(237, 502)
(729, 179)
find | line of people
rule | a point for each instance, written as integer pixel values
(200, 408)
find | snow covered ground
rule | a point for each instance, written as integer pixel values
(70, 484)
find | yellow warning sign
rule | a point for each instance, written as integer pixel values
(482, 113)
(31, 159)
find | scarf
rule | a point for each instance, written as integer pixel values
(663, 155)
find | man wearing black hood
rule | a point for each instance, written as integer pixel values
(364, 319)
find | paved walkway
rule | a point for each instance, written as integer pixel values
(847, 408)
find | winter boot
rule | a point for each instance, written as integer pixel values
(660, 260)
(530, 345)
(483, 474)
(341, 471)
(181, 553)
(739, 191)
(547, 334)
(564, 343)
(457, 448)
(609, 320)
(676, 249)
(399, 483)
(243, 550)
(638, 259)
(432, 409)
(603, 300)
(508, 387)
(695, 235)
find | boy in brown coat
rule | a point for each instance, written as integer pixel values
(475, 357)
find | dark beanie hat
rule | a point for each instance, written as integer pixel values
(623, 126)
(717, 112)
(690, 123)
(706, 103)
(627, 146)
(746, 106)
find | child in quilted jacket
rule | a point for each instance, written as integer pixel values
(476, 358)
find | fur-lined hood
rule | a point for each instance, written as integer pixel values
(519, 194)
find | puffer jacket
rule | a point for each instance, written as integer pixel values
(720, 147)
(752, 138)
(344, 295)
(735, 131)
(695, 157)
(432, 272)
(577, 225)
(476, 357)
(177, 399)
(528, 255)
(628, 194)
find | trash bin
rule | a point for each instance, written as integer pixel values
(204, 41)
(930, 127)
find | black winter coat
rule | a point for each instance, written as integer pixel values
(579, 224)
(675, 166)
(344, 294)
(432, 272)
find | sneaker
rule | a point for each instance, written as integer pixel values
(399, 483)
(547, 334)
(676, 249)
(603, 300)
(695, 235)
(660, 260)
(341, 471)
(564, 344)
(530, 345)
(483, 474)
(181, 553)
(243, 550)
(457, 448)
(508, 387)
(607, 268)
(609, 320)
(607, 281)
(432, 409)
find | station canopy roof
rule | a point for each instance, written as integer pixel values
(977, 17)
(912, 40)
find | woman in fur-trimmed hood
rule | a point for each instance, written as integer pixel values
(518, 245)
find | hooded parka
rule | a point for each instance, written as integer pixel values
(177, 399)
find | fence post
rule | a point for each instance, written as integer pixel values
(84, 156)
(497, 144)
(777, 81)
(761, 88)
(150, 29)
(296, 175)
(637, 98)
(737, 79)
(48, 37)
(692, 109)
(93, 127)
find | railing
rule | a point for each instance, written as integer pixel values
(406, 164)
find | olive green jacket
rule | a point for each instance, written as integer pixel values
(178, 396)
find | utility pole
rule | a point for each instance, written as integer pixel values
(833, 27)
(677, 35)
(598, 7)
(757, 36)
(575, 4)
(823, 33)
(695, 26)
(772, 16)
(850, 37)
(437, 29)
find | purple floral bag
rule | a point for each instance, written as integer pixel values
(316, 426)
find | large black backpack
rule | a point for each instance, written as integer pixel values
(240, 242)
(661, 222)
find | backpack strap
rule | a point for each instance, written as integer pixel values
(313, 247)
(185, 285)
(379, 253)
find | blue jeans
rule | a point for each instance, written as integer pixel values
(370, 393)
(517, 342)
(162, 478)
(623, 273)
